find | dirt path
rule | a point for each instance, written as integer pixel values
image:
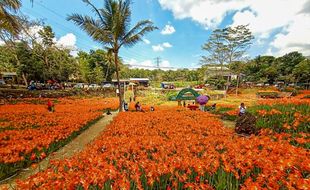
(76, 145)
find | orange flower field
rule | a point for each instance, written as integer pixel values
(177, 149)
(29, 132)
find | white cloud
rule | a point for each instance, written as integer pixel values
(165, 63)
(209, 13)
(269, 51)
(74, 53)
(146, 41)
(31, 34)
(67, 41)
(167, 45)
(167, 30)
(288, 19)
(146, 64)
(158, 47)
(295, 37)
(161, 47)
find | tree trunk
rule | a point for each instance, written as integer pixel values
(23, 74)
(106, 74)
(25, 79)
(237, 84)
(118, 83)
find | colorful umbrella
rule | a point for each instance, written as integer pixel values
(202, 99)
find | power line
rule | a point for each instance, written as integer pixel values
(63, 29)
(155, 67)
(62, 17)
(126, 53)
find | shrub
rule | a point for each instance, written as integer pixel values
(267, 94)
(246, 124)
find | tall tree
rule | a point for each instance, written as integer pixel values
(302, 71)
(238, 41)
(44, 50)
(111, 27)
(286, 64)
(227, 45)
(216, 48)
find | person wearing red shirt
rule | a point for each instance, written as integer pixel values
(50, 106)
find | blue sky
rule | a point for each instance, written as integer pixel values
(189, 24)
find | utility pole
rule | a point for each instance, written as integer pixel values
(157, 61)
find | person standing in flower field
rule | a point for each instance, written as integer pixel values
(138, 106)
(152, 108)
(117, 92)
(50, 106)
(242, 109)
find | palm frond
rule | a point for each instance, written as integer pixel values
(94, 9)
(137, 32)
(9, 23)
(12, 5)
(91, 26)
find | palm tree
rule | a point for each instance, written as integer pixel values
(111, 27)
(9, 23)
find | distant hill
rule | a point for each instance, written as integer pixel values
(308, 57)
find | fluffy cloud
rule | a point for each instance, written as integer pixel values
(209, 13)
(158, 47)
(161, 47)
(288, 19)
(293, 37)
(135, 63)
(165, 63)
(167, 30)
(67, 41)
(146, 41)
(167, 45)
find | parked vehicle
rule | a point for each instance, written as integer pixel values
(200, 86)
(167, 85)
(2, 82)
(108, 85)
(94, 86)
(260, 84)
(78, 85)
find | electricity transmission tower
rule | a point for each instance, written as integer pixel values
(157, 61)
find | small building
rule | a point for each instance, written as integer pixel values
(213, 71)
(121, 81)
(222, 71)
(140, 81)
(230, 77)
(135, 81)
(8, 76)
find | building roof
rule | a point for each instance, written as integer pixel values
(139, 79)
(120, 80)
(9, 73)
